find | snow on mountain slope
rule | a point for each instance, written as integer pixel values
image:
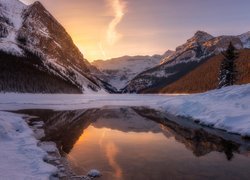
(199, 38)
(186, 58)
(119, 71)
(245, 39)
(10, 22)
(33, 29)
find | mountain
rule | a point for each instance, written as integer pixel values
(33, 45)
(187, 57)
(119, 71)
(205, 77)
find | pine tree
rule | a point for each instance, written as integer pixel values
(228, 73)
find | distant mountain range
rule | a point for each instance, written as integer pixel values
(120, 71)
(37, 55)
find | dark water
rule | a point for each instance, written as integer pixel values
(141, 144)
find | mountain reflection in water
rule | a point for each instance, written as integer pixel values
(139, 143)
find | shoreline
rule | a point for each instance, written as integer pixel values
(54, 157)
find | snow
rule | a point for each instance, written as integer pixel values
(20, 156)
(227, 108)
(49, 147)
(15, 101)
(12, 10)
(10, 47)
(94, 173)
(245, 39)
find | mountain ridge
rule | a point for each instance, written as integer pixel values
(119, 71)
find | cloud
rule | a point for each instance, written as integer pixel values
(104, 55)
(119, 8)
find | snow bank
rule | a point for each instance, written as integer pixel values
(227, 108)
(20, 156)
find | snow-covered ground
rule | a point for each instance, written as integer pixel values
(20, 157)
(227, 109)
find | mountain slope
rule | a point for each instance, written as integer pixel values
(119, 71)
(33, 29)
(205, 77)
(186, 58)
(20, 74)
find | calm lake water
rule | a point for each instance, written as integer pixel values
(141, 144)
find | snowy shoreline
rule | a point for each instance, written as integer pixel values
(21, 158)
(225, 109)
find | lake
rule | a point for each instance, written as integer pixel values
(139, 143)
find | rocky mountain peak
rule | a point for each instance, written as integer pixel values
(37, 6)
(37, 3)
(201, 36)
(168, 53)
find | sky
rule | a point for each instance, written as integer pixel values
(104, 29)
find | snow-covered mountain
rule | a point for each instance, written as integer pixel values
(245, 39)
(27, 31)
(119, 71)
(186, 58)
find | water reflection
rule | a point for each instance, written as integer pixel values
(111, 153)
(195, 138)
(139, 143)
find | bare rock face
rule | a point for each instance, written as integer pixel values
(186, 58)
(3, 28)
